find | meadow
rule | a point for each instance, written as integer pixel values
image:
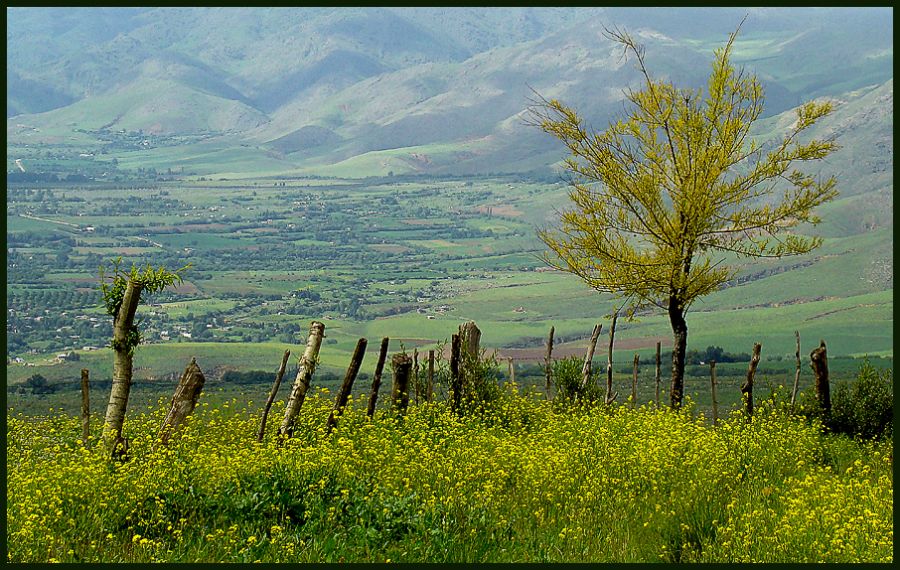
(524, 480)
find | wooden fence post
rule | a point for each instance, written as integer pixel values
(304, 375)
(819, 363)
(797, 375)
(429, 389)
(610, 396)
(415, 369)
(634, 379)
(512, 370)
(184, 401)
(455, 380)
(589, 357)
(272, 393)
(548, 363)
(747, 387)
(344, 393)
(657, 374)
(376, 380)
(713, 386)
(85, 406)
(401, 364)
(470, 337)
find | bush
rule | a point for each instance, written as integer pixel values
(865, 407)
(567, 378)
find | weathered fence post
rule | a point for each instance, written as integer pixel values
(184, 401)
(376, 380)
(797, 375)
(272, 393)
(512, 370)
(455, 380)
(416, 374)
(747, 387)
(470, 337)
(819, 363)
(85, 406)
(658, 362)
(634, 379)
(713, 385)
(344, 393)
(610, 396)
(548, 363)
(589, 356)
(429, 389)
(401, 364)
(304, 375)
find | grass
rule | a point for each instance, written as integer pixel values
(525, 481)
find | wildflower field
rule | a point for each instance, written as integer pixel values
(527, 480)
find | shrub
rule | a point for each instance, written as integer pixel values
(567, 378)
(865, 407)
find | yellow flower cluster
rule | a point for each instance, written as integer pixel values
(524, 481)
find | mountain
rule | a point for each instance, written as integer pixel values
(361, 91)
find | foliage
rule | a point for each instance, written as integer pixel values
(542, 485)
(567, 379)
(148, 280)
(37, 384)
(864, 408)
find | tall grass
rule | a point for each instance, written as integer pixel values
(525, 481)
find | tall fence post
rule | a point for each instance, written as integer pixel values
(85, 406)
(797, 375)
(347, 385)
(634, 379)
(819, 363)
(304, 376)
(747, 387)
(455, 380)
(272, 393)
(376, 380)
(184, 401)
(713, 385)
(416, 373)
(610, 396)
(512, 370)
(658, 363)
(401, 364)
(429, 389)
(548, 363)
(589, 356)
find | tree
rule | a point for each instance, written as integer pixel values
(121, 297)
(662, 196)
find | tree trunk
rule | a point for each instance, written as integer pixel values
(713, 385)
(429, 390)
(304, 375)
(344, 393)
(455, 380)
(797, 375)
(272, 393)
(634, 379)
(548, 363)
(401, 364)
(183, 402)
(747, 388)
(85, 406)
(589, 357)
(376, 380)
(658, 377)
(819, 363)
(679, 346)
(610, 395)
(122, 368)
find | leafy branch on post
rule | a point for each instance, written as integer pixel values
(662, 196)
(121, 296)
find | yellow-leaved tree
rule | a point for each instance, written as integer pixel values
(664, 194)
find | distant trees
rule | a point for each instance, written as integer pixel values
(663, 195)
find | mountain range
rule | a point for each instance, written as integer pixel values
(372, 91)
